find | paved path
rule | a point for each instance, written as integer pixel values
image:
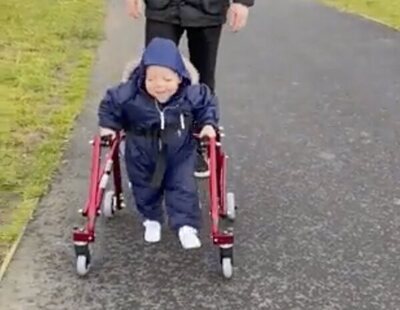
(311, 105)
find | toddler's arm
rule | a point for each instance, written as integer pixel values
(204, 106)
(110, 111)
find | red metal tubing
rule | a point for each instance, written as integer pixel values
(213, 187)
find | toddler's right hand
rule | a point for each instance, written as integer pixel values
(107, 132)
(208, 131)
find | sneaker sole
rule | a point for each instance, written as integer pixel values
(202, 175)
(152, 241)
(191, 248)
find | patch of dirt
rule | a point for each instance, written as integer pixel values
(3, 252)
(8, 200)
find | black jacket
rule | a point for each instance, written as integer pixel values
(190, 13)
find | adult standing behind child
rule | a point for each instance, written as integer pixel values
(202, 20)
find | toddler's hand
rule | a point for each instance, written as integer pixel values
(107, 132)
(208, 131)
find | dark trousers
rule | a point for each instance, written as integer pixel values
(203, 45)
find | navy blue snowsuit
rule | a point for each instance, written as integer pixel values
(161, 161)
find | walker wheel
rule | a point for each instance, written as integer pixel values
(227, 267)
(230, 206)
(109, 204)
(226, 259)
(82, 265)
(83, 258)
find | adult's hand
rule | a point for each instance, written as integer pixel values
(237, 16)
(135, 8)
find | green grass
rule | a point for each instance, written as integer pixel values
(47, 48)
(386, 11)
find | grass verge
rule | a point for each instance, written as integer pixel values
(47, 48)
(385, 11)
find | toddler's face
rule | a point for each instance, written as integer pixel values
(161, 82)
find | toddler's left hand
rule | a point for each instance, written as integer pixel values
(208, 131)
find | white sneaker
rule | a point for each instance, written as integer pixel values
(188, 238)
(152, 232)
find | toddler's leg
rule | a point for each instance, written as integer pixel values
(182, 202)
(147, 198)
(148, 203)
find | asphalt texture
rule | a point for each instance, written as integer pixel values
(310, 103)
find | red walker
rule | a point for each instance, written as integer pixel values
(221, 204)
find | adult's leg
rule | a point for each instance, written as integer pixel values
(155, 28)
(203, 45)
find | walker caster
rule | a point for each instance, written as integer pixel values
(109, 204)
(227, 267)
(226, 256)
(82, 259)
(230, 206)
